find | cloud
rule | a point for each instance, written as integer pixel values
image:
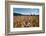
(26, 11)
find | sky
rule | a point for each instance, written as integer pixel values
(26, 11)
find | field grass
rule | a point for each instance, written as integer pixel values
(26, 21)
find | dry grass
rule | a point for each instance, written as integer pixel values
(26, 21)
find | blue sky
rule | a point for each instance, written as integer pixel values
(26, 11)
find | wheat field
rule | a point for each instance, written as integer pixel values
(26, 21)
